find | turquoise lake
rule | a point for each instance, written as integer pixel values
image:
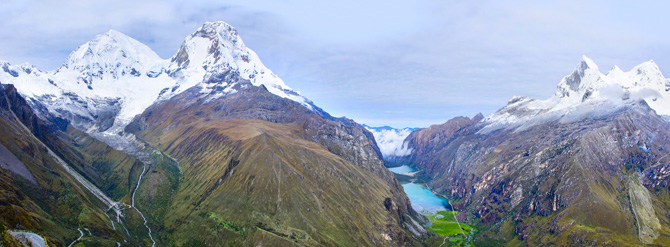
(422, 198)
(402, 169)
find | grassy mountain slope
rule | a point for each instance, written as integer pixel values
(113, 171)
(260, 169)
(48, 201)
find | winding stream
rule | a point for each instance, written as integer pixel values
(132, 202)
(130, 145)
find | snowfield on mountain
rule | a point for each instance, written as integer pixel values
(105, 82)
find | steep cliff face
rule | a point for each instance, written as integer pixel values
(284, 159)
(435, 137)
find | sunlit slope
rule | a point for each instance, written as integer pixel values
(253, 181)
(258, 168)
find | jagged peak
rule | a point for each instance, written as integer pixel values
(586, 79)
(615, 71)
(210, 44)
(478, 117)
(108, 50)
(648, 67)
(216, 50)
(218, 30)
(588, 62)
(585, 76)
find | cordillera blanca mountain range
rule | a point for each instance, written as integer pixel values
(119, 147)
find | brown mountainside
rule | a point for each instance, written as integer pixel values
(261, 169)
(591, 182)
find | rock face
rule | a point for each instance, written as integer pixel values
(543, 178)
(565, 181)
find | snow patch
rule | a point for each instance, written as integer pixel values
(587, 93)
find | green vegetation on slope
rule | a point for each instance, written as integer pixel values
(248, 182)
(55, 205)
(444, 223)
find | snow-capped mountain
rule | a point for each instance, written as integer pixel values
(215, 50)
(107, 81)
(586, 92)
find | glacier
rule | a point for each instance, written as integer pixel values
(587, 93)
(109, 80)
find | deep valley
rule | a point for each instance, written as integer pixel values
(120, 147)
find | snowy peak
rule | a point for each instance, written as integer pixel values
(646, 75)
(588, 93)
(648, 67)
(111, 54)
(107, 81)
(586, 82)
(216, 51)
(584, 78)
(217, 48)
(209, 44)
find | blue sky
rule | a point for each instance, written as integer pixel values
(397, 63)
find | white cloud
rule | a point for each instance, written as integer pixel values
(391, 142)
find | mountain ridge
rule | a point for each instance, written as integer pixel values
(586, 92)
(584, 167)
(210, 115)
(110, 79)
